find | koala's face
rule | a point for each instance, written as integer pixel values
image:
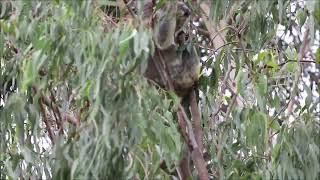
(182, 10)
(182, 15)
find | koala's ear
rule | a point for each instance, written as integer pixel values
(183, 9)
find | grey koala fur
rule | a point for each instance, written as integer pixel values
(169, 22)
(165, 26)
(182, 64)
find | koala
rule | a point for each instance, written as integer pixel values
(182, 64)
(165, 26)
(169, 22)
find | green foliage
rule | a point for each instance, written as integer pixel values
(65, 52)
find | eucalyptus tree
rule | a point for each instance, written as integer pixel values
(74, 102)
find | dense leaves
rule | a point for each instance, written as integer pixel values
(74, 103)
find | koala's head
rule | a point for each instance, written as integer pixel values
(178, 9)
(182, 15)
(182, 10)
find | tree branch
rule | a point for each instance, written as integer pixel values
(196, 118)
(71, 118)
(45, 119)
(55, 113)
(196, 154)
(64, 115)
(184, 123)
(301, 55)
(184, 166)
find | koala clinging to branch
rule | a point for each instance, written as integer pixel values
(181, 63)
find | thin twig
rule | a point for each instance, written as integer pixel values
(290, 60)
(223, 87)
(301, 61)
(217, 49)
(301, 55)
(129, 10)
(55, 113)
(233, 100)
(73, 119)
(247, 60)
(222, 29)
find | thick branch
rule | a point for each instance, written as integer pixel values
(184, 167)
(200, 164)
(196, 154)
(196, 117)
